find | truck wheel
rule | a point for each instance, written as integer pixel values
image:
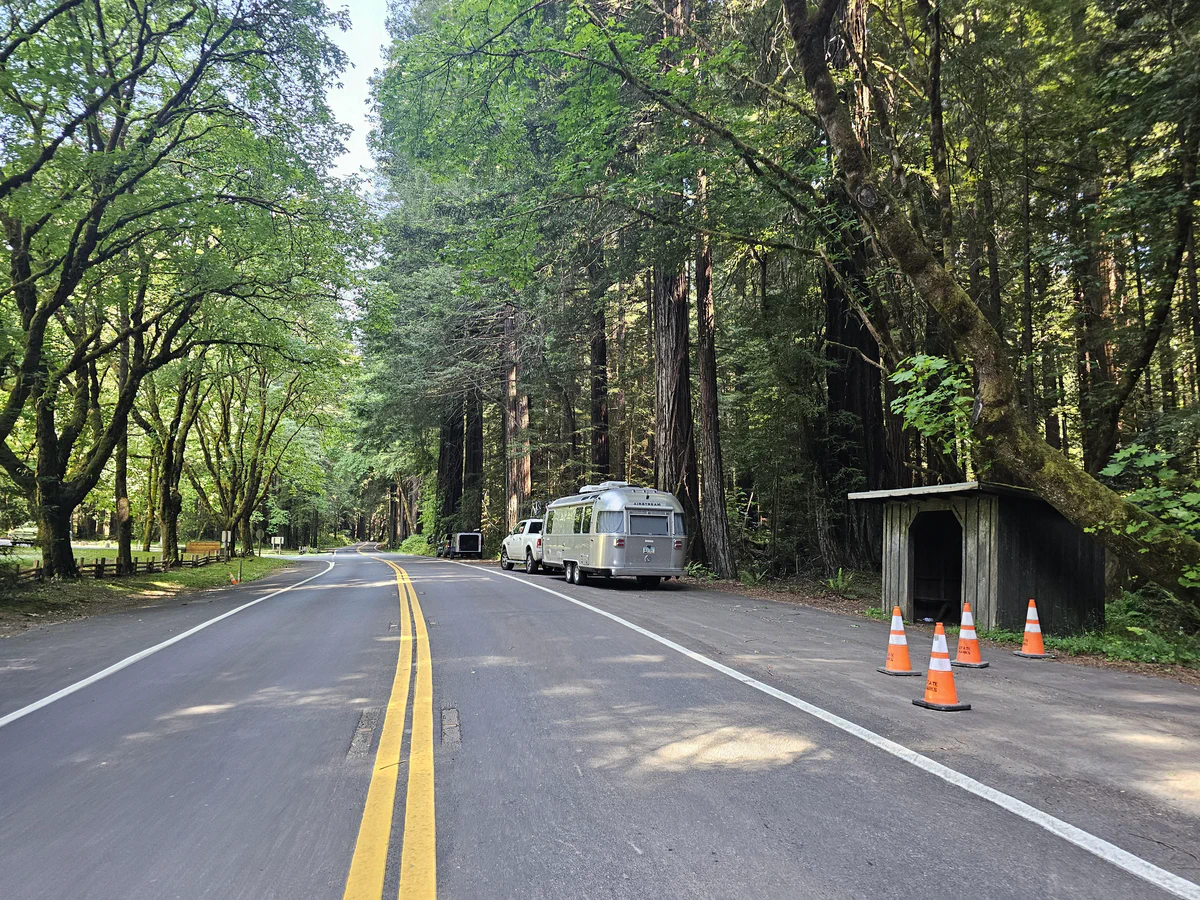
(648, 581)
(505, 563)
(531, 564)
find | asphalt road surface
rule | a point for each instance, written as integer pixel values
(383, 726)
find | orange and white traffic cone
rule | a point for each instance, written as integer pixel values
(897, 656)
(1032, 646)
(939, 687)
(968, 643)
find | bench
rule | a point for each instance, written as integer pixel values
(204, 547)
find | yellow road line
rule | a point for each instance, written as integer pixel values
(418, 859)
(365, 881)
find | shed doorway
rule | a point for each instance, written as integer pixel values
(936, 544)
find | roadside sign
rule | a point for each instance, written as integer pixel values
(226, 537)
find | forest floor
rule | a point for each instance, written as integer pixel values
(41, 603)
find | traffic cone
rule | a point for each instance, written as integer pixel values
(1032, 646)
(939, 687)
(968, 644)
(897, 656)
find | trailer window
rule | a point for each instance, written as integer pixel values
(550, 522)
(610, 521)
(579, 520)
(680, 527)
(648, 524)
(587, 520)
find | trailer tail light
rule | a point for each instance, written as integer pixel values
(618, 542)
(678, 544)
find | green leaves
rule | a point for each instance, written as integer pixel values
(935, 399)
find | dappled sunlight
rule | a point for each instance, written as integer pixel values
(1149, 739)
(480, 662)
(420, 578)
(641, 740)
(634, 658)
(200, 715)
(1181, 787)
(206, 709)
(567, 690)
(1177, 701)
(639, 746)
(362, 583)
(748, 749)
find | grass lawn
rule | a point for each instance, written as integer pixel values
(37, 603)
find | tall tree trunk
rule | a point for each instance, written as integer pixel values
(570, 440)
(124, 520)
(170, 505)
(151, 501)
(1192, 299)
(853, 451)
(1167, 361)
(623, 438)
(712, 501)
(994, 309)
(516, 425)
(1051, 401)
(598, 353)
(944, 251)
(450, 466)
(473, 464)
(674, 438)
(123, 516)
(1030, 398)
(54, 538)
(395, 493)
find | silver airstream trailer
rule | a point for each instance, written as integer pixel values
(615, 529)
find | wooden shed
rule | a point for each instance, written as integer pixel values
(992, 545)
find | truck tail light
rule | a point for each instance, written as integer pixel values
(539, 543)
(618, 542)
(678, 544)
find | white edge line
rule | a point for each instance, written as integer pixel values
(149, 651)
(1109, 852)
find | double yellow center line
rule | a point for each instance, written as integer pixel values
(418, 854)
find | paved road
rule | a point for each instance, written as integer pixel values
(575, 751)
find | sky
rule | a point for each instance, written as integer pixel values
(362, 43)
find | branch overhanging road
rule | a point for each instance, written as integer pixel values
(598, 741)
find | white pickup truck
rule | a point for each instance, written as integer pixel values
(523, 543)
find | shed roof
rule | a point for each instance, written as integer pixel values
(961, 487)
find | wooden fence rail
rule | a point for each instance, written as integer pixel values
(107, 568)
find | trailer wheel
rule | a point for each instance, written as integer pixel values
(580, 575)
(648, 581)
(569, 572)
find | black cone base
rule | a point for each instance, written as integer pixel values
(1033, 655)
(887, 671)
(967, 665)
(943, 707)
